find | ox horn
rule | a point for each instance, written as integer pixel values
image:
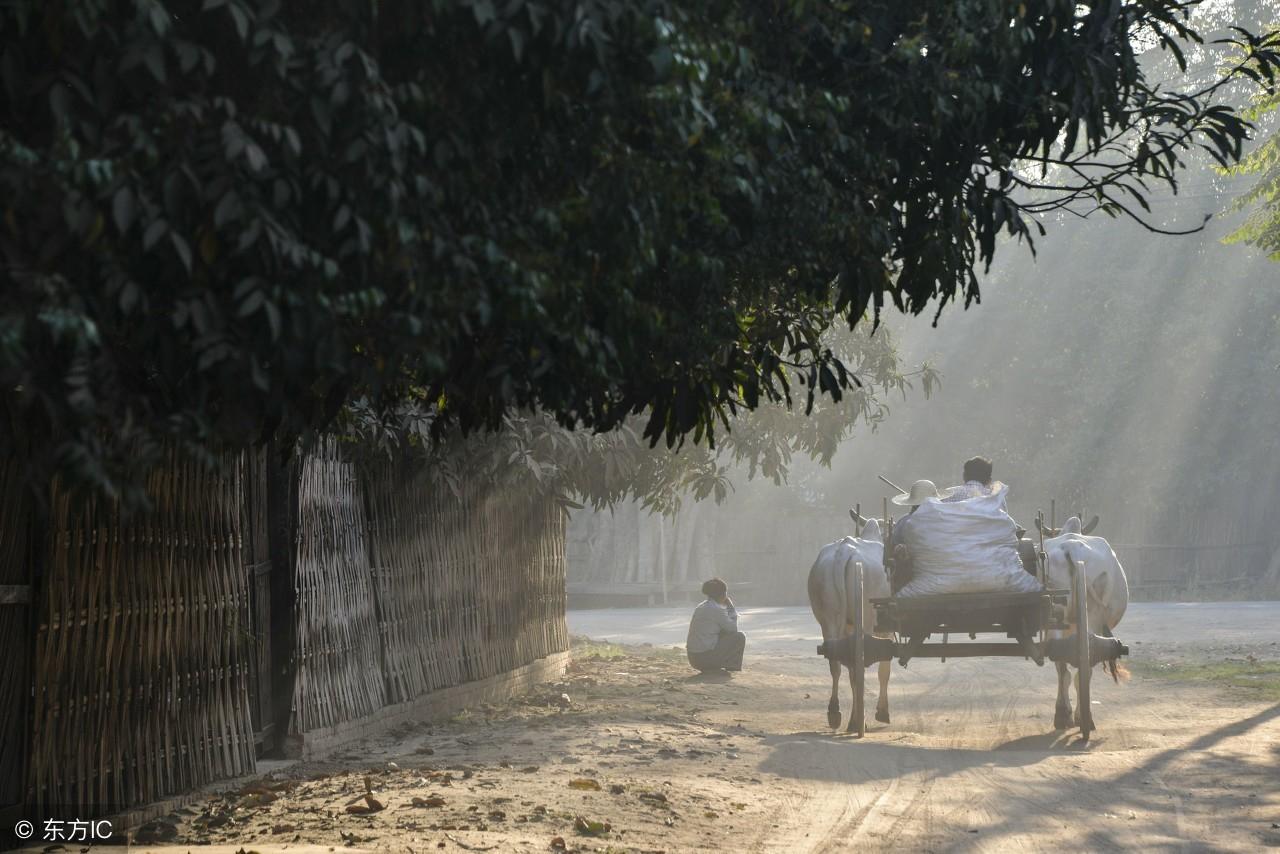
(857, 517)
(1093, 523)
(1045, 530)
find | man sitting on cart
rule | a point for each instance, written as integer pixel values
(965, 541)
(977, 481)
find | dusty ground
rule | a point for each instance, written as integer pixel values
(1187, 756)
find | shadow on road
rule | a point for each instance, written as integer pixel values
(841, 758)
(711, 676)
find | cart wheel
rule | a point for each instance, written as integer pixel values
(857, 717)
(1084, 664)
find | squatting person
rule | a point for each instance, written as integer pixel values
(714, 642)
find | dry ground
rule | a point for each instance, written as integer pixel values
(1187, 757)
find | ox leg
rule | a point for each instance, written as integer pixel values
(853, 711)
(833, 705)
(882, 703)
(1075, 718)
(1062, 711)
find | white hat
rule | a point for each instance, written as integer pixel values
(920, 490)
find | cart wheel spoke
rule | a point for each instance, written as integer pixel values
(1084, 666)
(858, 720)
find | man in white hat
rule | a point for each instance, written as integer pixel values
(921, 491)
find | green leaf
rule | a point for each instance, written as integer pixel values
(228, 209)
(122, 209)
(240, 17)
(153, 58)
(156, 230)
(184, 251)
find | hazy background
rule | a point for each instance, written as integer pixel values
(1125, 373)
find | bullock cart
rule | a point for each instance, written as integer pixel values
(1045, 625)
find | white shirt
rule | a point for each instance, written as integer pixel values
(971, 489)
(710, 620)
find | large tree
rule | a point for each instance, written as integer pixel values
(230, 219)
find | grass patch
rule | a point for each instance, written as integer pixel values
(588, 648)
(1261, 678)
(667, 653)
(584, 648)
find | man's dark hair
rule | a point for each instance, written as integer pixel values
(979, 469)
(714, 589)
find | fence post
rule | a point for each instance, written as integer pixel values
(22, 544)
(282, 502)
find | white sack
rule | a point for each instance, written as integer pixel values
(967, 546)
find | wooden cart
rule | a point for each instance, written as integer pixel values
(1023, 619)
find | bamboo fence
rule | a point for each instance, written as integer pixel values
(149, 641)
(455, 588)
(339, 673)
(140, 677)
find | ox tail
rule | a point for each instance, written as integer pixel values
(1117, 670)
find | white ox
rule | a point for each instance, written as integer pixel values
(830, 592)
(1108, 597)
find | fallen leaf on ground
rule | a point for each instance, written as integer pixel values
(370, 805)
(429, 801)
(456, 841)
(557, 843)
(585, 784)
(588, 827)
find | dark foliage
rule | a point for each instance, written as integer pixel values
(226, 220)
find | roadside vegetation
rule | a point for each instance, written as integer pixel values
(1259, 678)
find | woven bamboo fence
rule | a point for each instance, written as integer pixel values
(339, 673)
(451, 588)
(140, 677)
(149, 638)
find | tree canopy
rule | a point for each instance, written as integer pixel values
(231, 219)
(606, 467)
(1262, 226)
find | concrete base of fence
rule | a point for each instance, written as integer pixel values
(316, 743)
(131, 819)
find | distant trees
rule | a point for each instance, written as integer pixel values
(225, 220)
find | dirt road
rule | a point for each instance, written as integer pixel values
(671, 762)
(971, 761)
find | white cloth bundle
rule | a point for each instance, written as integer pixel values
(966, 546)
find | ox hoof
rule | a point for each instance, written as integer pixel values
(882, 717)
(833, 720)
(1062, 719)
(852, 727)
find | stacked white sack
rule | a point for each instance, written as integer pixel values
(966, 546)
